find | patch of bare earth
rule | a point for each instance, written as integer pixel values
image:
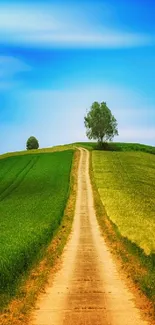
(87, 289)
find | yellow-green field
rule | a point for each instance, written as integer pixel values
(38, 151)
(126, 184)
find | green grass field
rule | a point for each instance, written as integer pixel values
(33, 194)
(117, 146)
(126, 184)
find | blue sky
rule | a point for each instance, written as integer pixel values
(57, 57)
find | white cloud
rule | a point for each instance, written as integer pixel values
(52, 26)
(145, 135)
(6, 85)
(26, 19)
(9, 68)
(10, 65)
(107, 39)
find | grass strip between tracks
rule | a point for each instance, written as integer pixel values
(18, 311)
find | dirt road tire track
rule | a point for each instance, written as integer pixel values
(87, 290)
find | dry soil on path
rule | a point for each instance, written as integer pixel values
(87, 290)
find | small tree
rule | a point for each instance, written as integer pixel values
(32, 143)
(100, 124)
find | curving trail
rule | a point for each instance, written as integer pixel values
(87, 290)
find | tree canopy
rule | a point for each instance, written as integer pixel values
(32, 143)
(100, 124)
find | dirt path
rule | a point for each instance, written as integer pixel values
(87, 290)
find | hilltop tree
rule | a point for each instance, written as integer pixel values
(100, 124)
(32, 143)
